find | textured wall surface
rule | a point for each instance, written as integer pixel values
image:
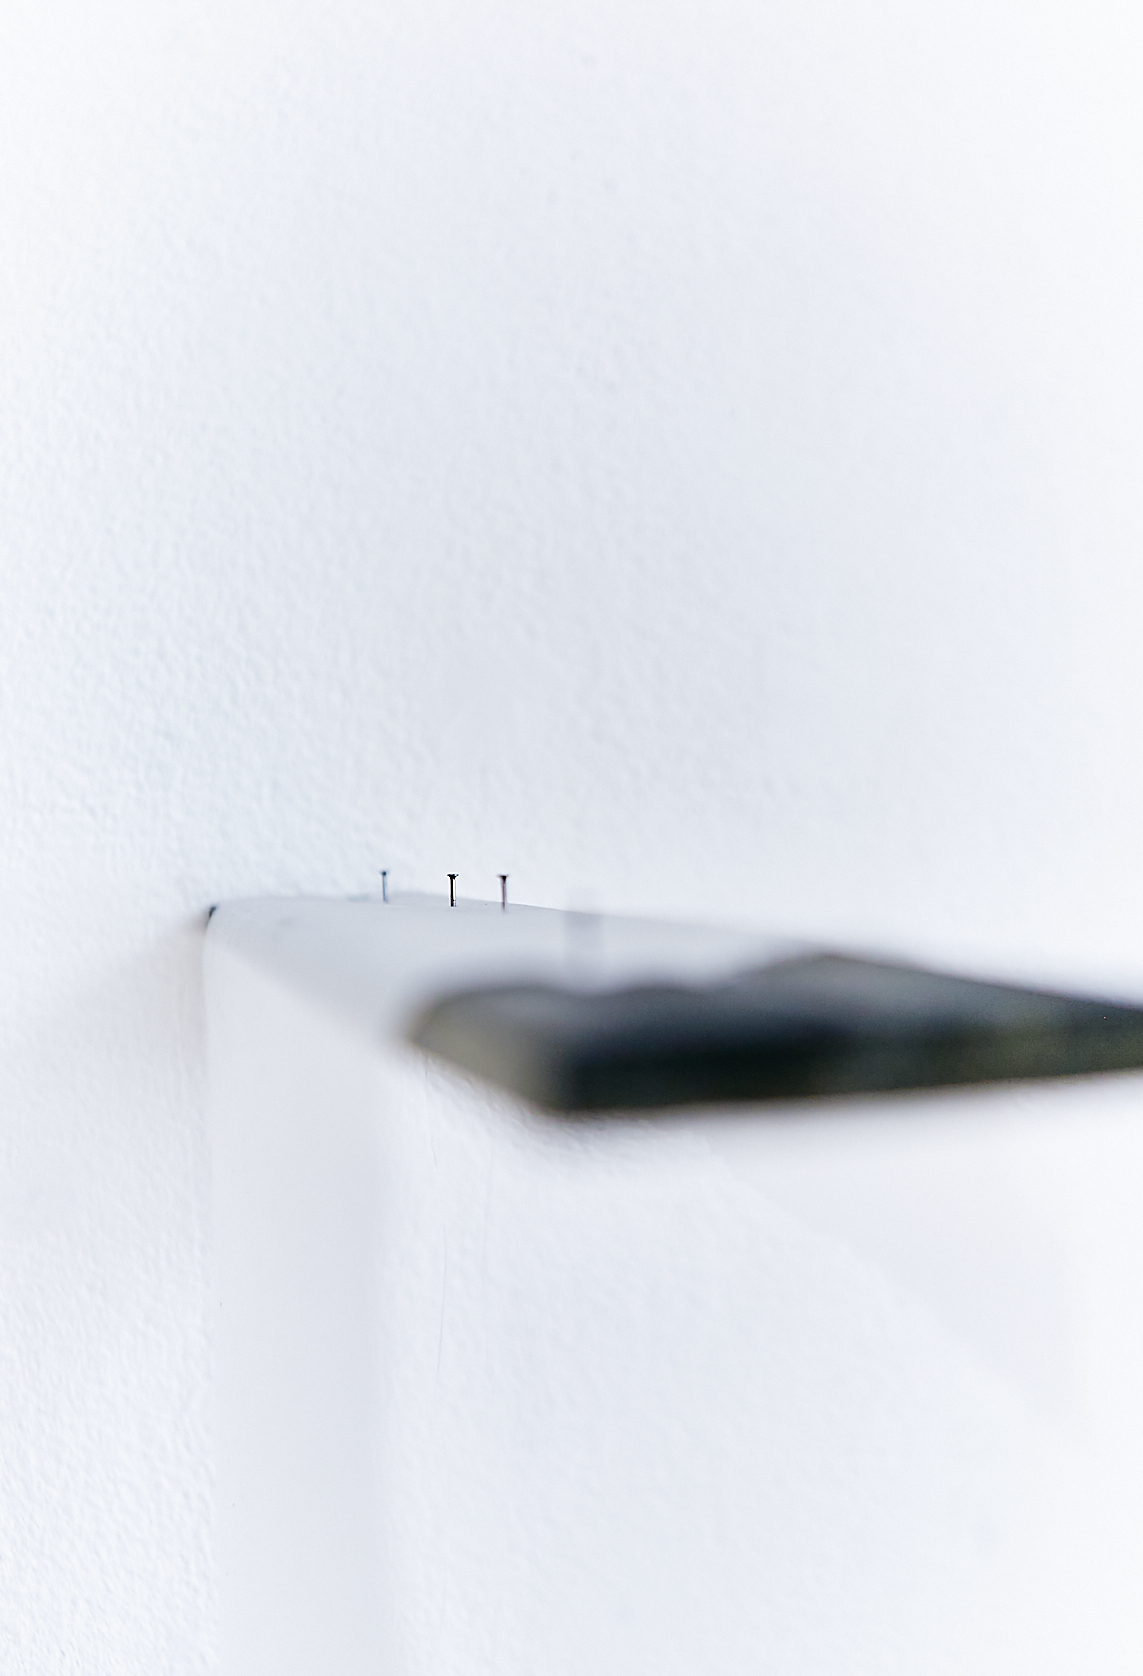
(687, 454)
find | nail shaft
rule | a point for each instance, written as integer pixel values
(503, 877)
(384, 884)
(452, 878)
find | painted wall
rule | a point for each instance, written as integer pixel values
(682, 454)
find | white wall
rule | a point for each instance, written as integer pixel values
(685, 453)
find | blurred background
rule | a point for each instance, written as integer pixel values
(685, 456)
